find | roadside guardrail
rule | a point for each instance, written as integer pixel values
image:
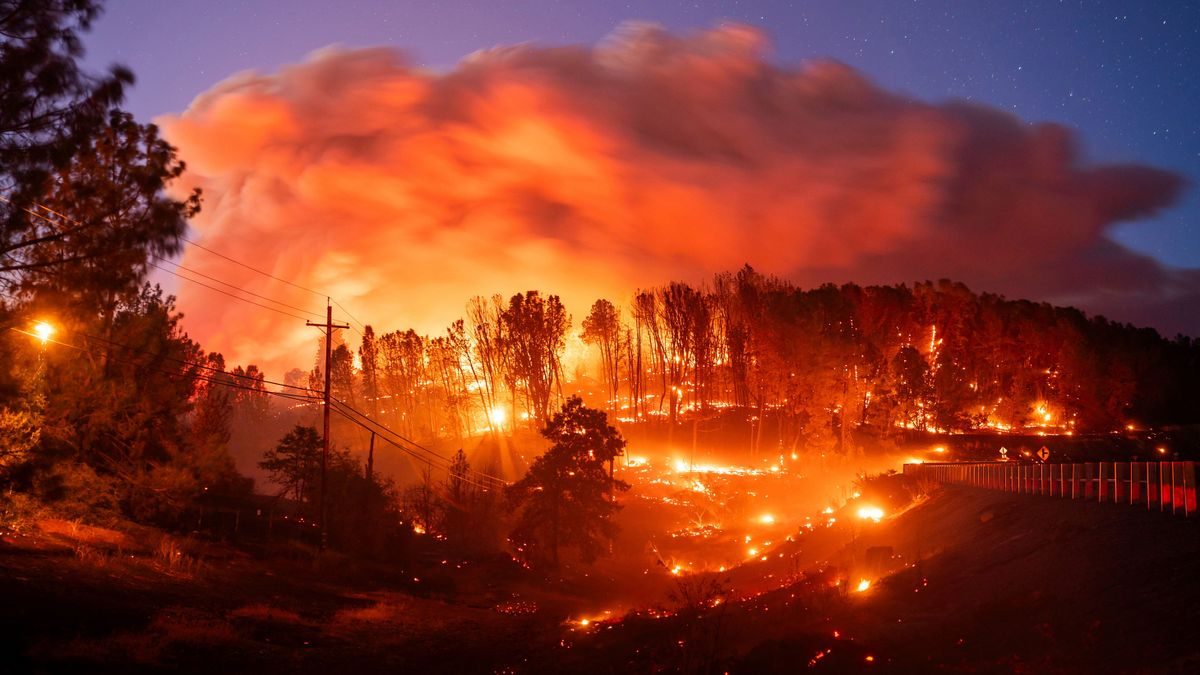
(1165, 486)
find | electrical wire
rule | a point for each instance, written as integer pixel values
(421, 453)
(214, 279)
(307, 390)
(235, 286)
(367, 420)
(254, 269)
(235, 297)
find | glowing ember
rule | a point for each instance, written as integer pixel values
(870, 513)
(767, 519)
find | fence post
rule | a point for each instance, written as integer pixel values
(1089, 480)
(1166, 492)
(1135, 482)
(1121, 489)
(1189, 488)
(1105, 491)
(1178, 504)
(1076, 481)
(1153, 494)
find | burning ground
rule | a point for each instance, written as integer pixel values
(895, 580)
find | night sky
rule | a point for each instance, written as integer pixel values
(1123, 74)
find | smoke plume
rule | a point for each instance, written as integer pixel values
(590, 171)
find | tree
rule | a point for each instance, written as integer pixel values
(100, 222)
(602, 328)
(458, 497)
(911, 375)
(568, 496)
(213, 404)
(423, 504)
(49, 104)
(535, 330)
(295, 462)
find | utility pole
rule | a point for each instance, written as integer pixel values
(329, 327)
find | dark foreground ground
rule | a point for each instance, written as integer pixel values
(985, 582)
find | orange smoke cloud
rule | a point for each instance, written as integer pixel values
(588, 172)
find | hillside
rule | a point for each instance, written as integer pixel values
(987, 582)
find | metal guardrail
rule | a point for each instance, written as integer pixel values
(1166, 486)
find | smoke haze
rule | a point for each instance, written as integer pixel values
(591, 171)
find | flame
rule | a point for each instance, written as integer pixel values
(863, 584)
(870, 513)
(497, 416)
(43, 331)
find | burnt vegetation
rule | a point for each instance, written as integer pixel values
(467, 510)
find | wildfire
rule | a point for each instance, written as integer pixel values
(43, 331)
(863, 585)
(870, 513)
(767, 519)
(497, 416)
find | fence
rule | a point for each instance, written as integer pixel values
(1166, 486)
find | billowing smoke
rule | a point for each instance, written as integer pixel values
(650, 157)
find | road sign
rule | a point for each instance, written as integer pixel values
(1044, 453)
(1004, 451)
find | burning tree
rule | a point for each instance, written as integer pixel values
(535, 330)
(602, 328)
(568, 496)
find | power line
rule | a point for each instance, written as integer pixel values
(233, 286)
(428, 462)
(498, 482)
(198, 377)
(254, 269)
(307, 390)
(224, 283)
(352, 318)
(235, 297)
(429, 457)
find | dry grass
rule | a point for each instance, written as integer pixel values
(77, 532)
(193, 630)
(172, 556)
(380, 612)
(144, 647)
(261, 612)
(91, 555)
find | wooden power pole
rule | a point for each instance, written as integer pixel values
(329, 327)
